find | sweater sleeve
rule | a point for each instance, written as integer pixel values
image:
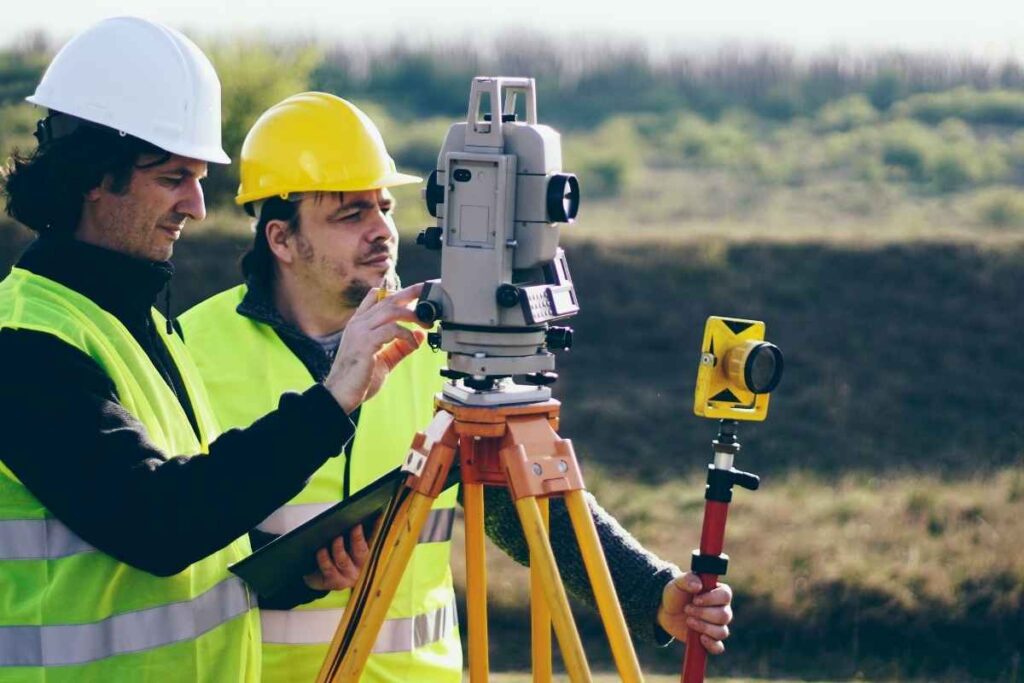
(91, 463)
(638, 575)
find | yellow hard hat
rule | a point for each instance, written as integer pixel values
(314, 142)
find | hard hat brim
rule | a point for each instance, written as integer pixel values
(213, 155)
(390, 180)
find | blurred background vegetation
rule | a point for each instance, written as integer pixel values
(868, 207)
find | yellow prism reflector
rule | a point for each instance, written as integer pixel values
(738, 370)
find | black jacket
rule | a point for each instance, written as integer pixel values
(90, 462)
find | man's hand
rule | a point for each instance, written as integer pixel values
(372, 345)
(339, 568)
(709, 614)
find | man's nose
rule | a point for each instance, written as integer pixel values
(192, 203)
(380, 227)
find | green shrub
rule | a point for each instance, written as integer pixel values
(782, 103)
(693, 141)
(415, 145)
(886, 89)
(1015, 150)
(605, 160)
(850, 112)
(17, 123)
(1000, 207)
(22, 67)
(952, 169)
(991, 107)
(946, 158)
(906, 147)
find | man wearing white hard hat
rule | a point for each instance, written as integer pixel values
(121, 504)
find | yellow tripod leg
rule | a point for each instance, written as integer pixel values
(543, 558)
(402, 543)
(540, 623)
(328, 670)
(604, 589)
(476, 582)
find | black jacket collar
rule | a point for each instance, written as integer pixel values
(122, 285)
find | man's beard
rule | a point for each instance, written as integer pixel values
(357, 290)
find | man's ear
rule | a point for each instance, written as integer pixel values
(95, 193)
(279, 238)
(102, 188)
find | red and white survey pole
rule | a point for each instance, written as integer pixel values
(709, 562)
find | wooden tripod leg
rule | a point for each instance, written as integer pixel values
(428, 463)
(380, 544)
(540, 616)
(604, 590)
(543, 558)
(476, 582)
(402, 544)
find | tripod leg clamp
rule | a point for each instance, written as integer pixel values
(709, 564)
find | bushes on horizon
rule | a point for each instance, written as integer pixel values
(844, 114)
(606, 160)
(415, 147)
(17, 123)
(905, 148)
(727, 143)
(945, 159)
(22, 67)
(582, 82)
(993, 107)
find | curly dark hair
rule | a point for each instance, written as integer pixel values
(44, 190)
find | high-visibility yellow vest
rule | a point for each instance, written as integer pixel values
(70, 613)
(246, 368)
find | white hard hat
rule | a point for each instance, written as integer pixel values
(142, 79)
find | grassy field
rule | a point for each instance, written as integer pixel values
(886, 541)
(867, 569)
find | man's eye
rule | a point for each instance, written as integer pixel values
(168, 181)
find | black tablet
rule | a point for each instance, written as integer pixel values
(292, 555)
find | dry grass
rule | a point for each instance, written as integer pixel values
(916, 539)
(687, 205)
(878, 579)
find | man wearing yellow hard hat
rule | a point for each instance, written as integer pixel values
(315, 175)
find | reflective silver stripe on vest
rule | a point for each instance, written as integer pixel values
(284, 519)
(123, 633)
(438, 527)
(317, 627)
(39, 539)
